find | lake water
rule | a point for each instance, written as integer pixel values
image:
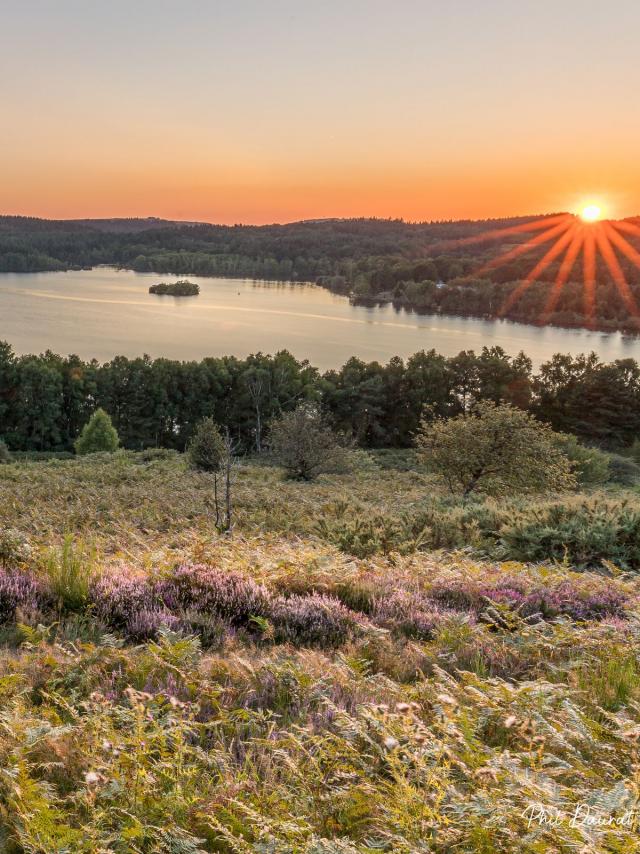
(105, 312)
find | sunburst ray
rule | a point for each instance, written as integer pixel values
(589, 275)
(550, 255)
(564, 271)
(610, 259)
(523, 248)
(497, 233)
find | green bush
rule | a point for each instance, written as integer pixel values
(206, 449)
(583, 532)
(623, 470)
(98, 435)
(590, 465)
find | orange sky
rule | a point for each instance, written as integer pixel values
(254, 112)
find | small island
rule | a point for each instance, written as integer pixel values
(182, 288)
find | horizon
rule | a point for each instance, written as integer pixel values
(309, 220)
(227, 114)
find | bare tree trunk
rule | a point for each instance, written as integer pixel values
(228, 466)
(215, 499)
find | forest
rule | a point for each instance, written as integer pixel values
(45, 399)
(417, 266)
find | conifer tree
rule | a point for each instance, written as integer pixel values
(97, 435)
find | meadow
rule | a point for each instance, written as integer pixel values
(366, 664)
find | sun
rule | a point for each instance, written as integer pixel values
(591, 213)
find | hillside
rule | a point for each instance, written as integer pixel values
(336, 676)
(434, 267)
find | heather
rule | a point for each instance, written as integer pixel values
(359, 666)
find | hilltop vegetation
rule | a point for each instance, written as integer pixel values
(415, 265)
(322, 681)
(287, 640)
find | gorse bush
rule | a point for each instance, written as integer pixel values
(98, 435)
(582, 532)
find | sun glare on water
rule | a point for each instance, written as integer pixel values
(591, 213)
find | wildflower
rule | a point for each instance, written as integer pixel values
(510, 721)
(92, 778)
(391, 743)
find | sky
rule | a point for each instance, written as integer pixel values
(272, 111)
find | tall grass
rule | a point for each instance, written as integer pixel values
(68, 570)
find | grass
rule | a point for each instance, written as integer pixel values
(167, 689)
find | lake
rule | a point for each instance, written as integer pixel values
(105, 312)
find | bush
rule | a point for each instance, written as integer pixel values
(304, 445)
(409, 613)
(364, 536)
(98, 435)
(19, 590)
(228, 595)
(5, 453)
(576, 597)
(583, 532)
(590, 465)
(15, 548)
(206, 449)
(118, 597)
(495, 448)
(623, 471)
(314, 620)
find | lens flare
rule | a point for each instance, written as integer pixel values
(586, 236)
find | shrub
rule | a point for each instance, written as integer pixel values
(228, 595)
(98, 435)
(15, 548)
(363, 536)
(409, 613)
(623, 471)
(19, 590)
(5, 453)
(590, 465)
(495, 448)
(577, 597)
(314, 620)
(118, 597)
(583, 532)
(206, 449)
(147, 623)
(304, 445)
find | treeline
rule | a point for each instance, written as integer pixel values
(373, 260)
(45, 400)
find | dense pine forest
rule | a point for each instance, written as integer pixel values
(417, 266)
